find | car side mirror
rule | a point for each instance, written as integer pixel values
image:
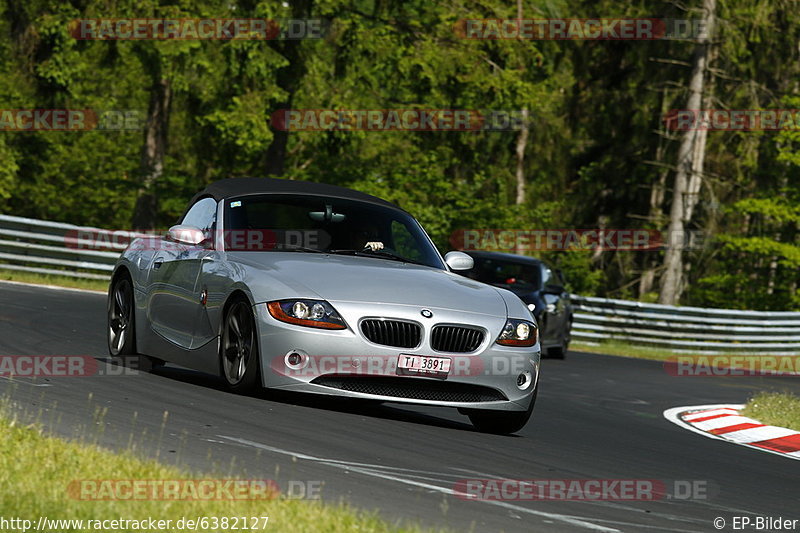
(186, 234)
(553, 289)
(459, 261)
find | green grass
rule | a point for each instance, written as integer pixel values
(775, 409)
(623, 349)
(60, 281)
(36, 469)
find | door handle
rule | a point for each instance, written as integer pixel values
(157, 264)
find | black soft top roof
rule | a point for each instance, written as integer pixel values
(231, 187)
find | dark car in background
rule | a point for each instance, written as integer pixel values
(541, 287)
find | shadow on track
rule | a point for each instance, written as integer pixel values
(370, 408)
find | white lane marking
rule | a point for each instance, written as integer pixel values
(56, 287)
(410, 472)
(673, 415)
(483, 475)
(12, 380)
(724, 422)
(575, 521)
(746, 436)
(638, 527)
(714, 412)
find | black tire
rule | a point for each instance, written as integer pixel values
(238, 348)
(121, 327)
(501, 422)
(559, 352)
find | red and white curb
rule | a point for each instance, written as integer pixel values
(723, 422)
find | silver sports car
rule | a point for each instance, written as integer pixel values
(314, 288)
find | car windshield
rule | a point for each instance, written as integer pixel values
(330, 225)
(516, 275)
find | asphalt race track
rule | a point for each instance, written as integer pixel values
(597, 417)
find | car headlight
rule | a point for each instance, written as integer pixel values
(310, 313)
(518, 333)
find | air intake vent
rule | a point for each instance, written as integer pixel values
(396, 333)
(456, 339)
(413, 388)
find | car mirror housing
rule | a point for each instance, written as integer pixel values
(553, 289)
(459, 261)
(186, 234)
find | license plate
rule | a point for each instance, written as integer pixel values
(422, 364)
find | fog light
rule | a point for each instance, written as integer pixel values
(296, 359)
(524, 380)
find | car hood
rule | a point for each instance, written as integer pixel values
(524, 294)
(364, 279)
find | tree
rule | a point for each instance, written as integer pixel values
(691, 156)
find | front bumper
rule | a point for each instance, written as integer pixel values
(344, 363)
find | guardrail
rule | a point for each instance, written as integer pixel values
(686, 329)
(32, 245)
(43, 247)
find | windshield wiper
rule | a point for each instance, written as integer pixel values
(293, 248)
(366, 252)
(390, 255)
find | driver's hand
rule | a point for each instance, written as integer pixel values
(374, 246)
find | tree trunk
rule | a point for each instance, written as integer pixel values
(656, 213)
(773, 262)
(522, 142)
(288, 79)
(151, 167)
(691, 154)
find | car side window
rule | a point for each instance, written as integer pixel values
(404, 241)
(547, 276)
(202, 215)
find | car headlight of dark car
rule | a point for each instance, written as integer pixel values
(518, 333)
(309, 313)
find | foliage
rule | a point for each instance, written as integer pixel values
(597, 152)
